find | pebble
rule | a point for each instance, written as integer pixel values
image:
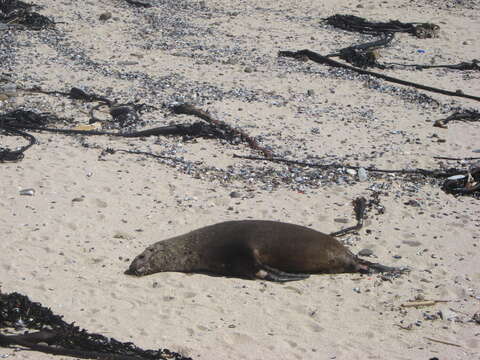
(365, 252)
(235, 194)
(351, 172)
(105, 16)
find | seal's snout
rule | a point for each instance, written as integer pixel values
(130, 271)
(137, 267)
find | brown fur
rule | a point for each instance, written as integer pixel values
(250, 248)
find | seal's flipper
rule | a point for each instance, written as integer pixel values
(379, 268)
(266, 272)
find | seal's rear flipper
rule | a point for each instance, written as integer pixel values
(266, 272)
(369, 267)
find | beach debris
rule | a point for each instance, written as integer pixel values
(361, 25)
(27, 192)
(422, 303)
(442, 342)
(55, 336)
(362, 174)
(316, 57)
(20, 13)
(11, 124)
(366, 54)
(105, 16)
(466, 115)
(464, 184)
(229, 132)
(464, 65)
(138, 3)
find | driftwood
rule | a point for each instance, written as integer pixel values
(308, 54)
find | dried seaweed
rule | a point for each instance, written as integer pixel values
(467, 115)
(361, 25)
(464, 182)
(12, 124)
(308, 54)
(20, 13)
(464, 66)
(138, 3)
(229, 132)
(366, 54)
(17, 310)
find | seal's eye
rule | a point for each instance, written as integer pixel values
(141, 257)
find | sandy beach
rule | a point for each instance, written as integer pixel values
(95, 208)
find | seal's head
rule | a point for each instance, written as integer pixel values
(142, 264)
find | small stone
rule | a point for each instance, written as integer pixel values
(412, 202)
(248, 69)
(365, 252)
(310, 92)
(235, 195)
(351, 172)
(397, 256)
(105, 16)
(419, 297)
(357, 290)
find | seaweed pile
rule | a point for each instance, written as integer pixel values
(57, 337)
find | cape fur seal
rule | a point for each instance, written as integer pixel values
(262, 249)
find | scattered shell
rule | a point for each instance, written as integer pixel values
(456, 177)
(362, 174)
(28, 192)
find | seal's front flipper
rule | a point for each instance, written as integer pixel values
(266, 272)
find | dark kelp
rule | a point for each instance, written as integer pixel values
(17, 310)
(20, 13)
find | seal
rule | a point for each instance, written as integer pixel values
(252, 249)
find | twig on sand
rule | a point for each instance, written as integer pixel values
(442, 342)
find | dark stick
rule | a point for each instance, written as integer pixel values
(325, 60)
(424, 172)
(458, 159)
